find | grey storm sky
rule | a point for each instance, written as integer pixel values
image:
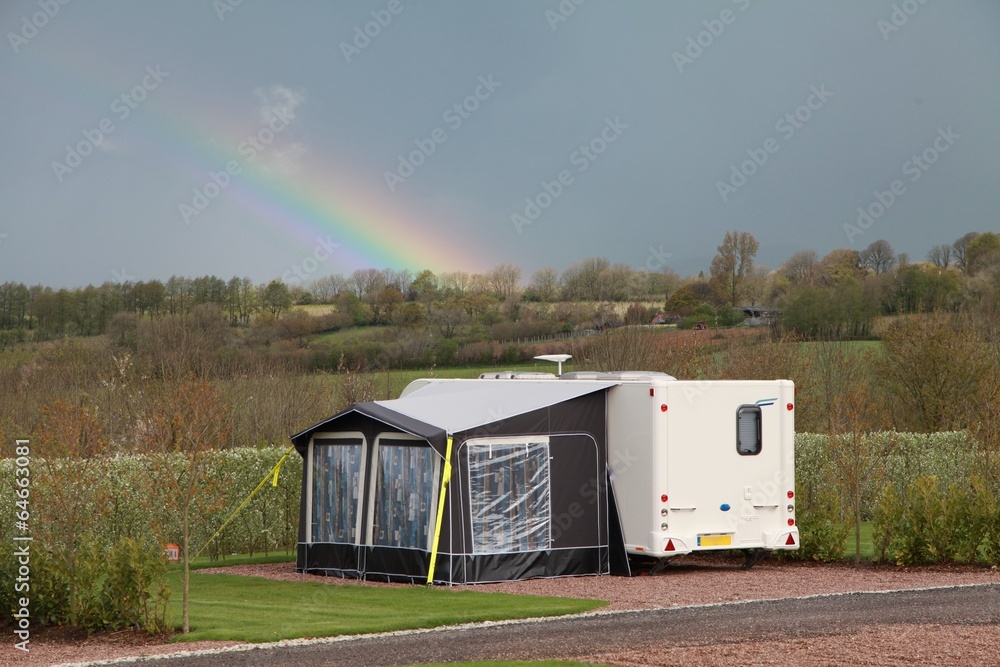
(652, 112)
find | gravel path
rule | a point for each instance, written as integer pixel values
(690, 581)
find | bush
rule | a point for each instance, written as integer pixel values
(103, 589)
(822, 527)
(935, 524)
(934, 504)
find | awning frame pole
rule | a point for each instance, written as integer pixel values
(445, 478)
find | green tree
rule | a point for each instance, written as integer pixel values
(276, 298)
(959, 247)
(982, 253)
(682, 302)
(424, 287)
(385, 304)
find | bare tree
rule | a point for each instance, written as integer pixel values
(326, 288)
(457, 283)
(940, 256)
(626, 348)
(879, 256)
(732, 264)
(661, 284)
(580, 279)
(448, 318)
(401, 279)
(756, 285)
(802, 267)
(505, 281)
(544, 283)
(934, 370)
(366, 283)
(188, 423)
(616, 283)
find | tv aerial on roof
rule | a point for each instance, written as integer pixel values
(557, 358)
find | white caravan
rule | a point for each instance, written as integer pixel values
(701, 465)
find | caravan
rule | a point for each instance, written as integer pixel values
(701, 465)
(520, 475)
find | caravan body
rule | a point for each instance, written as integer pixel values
(701, 465)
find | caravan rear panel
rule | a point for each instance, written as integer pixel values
(703, 465)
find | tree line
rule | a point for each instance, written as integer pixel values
(835, 296)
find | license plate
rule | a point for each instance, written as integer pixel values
(715, 540)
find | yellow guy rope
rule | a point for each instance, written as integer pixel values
(272, 475)
(440, 513)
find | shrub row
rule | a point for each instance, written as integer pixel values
(931, 497)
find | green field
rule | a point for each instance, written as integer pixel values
(254, 609)
(351, 334)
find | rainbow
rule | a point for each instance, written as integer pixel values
(323, 200)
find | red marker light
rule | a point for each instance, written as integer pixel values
(650, 391)
(791, 522)
(791, 494)
(789, 406)
(663, 407)
(663, 498)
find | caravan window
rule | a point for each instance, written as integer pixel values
(509, 494)
(748, 430)
(405, 490)
(337, 477)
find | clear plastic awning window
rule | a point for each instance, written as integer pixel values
(510, 494)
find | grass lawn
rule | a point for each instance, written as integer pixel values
(253, 609)
(203, 562)
(867, 548)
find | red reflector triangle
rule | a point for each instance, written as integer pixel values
(670, 545)
(790, 540)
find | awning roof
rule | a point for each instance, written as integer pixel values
(459, 405)
(451, 406)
